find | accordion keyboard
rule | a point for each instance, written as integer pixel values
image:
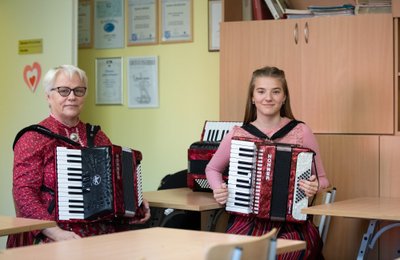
(70, 195)
(214, 131)
(241, 165)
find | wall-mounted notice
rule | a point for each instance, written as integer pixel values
(143, 82)
(109, 24)
(30, 46)
(109, 80)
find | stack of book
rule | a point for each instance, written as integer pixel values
(373, 6)
(332, 10)
(297, 13)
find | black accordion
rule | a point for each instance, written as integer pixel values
(98, 183)
(264, 179)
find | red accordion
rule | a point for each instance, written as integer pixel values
(264, 179)
(200, 153)
(98, 183)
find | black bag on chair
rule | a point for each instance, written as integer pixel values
(180, 219)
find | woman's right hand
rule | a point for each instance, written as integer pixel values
(221, 194)
(58, 234)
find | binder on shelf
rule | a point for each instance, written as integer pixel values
(261, 10)
(276, 7)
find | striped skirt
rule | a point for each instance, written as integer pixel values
(306, 231)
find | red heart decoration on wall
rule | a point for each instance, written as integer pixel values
(32, 75)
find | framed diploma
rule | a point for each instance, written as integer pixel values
(85, 24)
(143, 82)
(109, 24)
(214, 20)
(109, 81)
(142, 22)
(176, 21)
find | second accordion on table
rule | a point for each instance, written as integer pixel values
(201, 152)
(98, 183)
(264, 179)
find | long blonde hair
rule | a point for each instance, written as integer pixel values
(250, 114)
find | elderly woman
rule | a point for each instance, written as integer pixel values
(34, 174)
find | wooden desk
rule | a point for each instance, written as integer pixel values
(373, 208)
(185, 199)
(151, 243)
(13, 225)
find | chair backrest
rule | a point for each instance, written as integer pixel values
(262, 247)
(325, 196)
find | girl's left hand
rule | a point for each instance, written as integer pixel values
(310, 186)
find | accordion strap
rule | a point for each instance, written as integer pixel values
(45, 131)
(91, 131)
(280, 133)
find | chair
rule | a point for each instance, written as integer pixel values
(322, 222)
(262, 247)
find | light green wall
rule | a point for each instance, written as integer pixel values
(188, 94)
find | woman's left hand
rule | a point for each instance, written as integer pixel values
(147, 215)
(310, 186)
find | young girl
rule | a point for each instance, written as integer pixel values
(268, 109)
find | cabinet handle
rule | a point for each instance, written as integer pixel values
(296, 33)
(306, 32)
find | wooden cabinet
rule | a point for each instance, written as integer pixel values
(352, 165)
(339, 69)
(343, 76)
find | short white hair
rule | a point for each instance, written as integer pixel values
(70, 70)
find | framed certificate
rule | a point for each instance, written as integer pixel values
(85, 24)
(214, 20)
(109, 81)
(142, 20)
(143, 82)
(109, 24)
(176, 21)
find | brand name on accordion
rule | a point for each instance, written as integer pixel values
(269, 165)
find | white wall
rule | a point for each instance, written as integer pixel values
(53, 21)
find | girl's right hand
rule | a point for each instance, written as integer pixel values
(221, 194)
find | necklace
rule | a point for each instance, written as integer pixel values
(74, 136)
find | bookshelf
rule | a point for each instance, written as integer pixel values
(233, 8)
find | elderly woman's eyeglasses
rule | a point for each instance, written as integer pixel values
(65, 91)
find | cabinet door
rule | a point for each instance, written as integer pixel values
(247, 46)
(347, 74)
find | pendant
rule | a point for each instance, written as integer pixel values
(74, 137)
